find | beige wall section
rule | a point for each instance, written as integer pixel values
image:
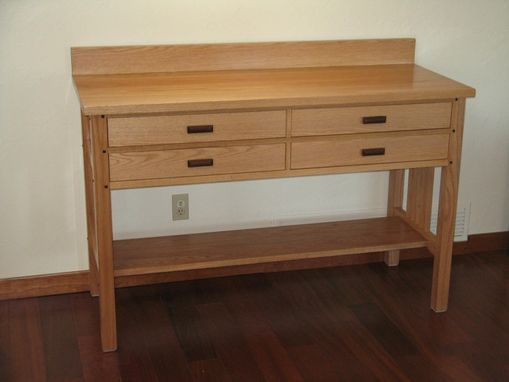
(42, 215)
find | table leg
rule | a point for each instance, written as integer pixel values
(90, 206)
(395, 200)
(104, 233)
(420, 196)
(447, 212)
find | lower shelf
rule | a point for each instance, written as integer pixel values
(261, 245)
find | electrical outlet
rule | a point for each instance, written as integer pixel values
(180, 206)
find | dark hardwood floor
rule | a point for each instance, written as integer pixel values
(355, 323)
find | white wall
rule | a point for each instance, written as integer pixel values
(42, 217)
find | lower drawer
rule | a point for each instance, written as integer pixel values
(139, 165)
(368, 150)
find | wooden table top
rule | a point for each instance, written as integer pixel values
(267, 88)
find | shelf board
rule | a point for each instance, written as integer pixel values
(262, 245)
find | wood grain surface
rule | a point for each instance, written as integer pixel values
(60, 283)
(449, 183)
(157, 130)
(302, 89)
(240, 56)
(348, 120)
(124, 184)
(358, 323)
(174, 163)
(394, 201)
(274, 88)
(348, 152)
(102, 197)
(212, 250)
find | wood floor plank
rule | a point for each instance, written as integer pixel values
(134, 359)
(229, 342)
(318, 323)
(60, 341)
(192, 334)
(321, 363)
(268, 352)
(96, 365)
(282, 316)
(4, 341)
(420, 368)
(351, 287)
(210, 370)
(160, 338)
(20, 367)
(384, 330)
(405, 295)
(484, 317)
(345, 328)
(26, 355)
(433, 334)
(210, 291)
(357, 323)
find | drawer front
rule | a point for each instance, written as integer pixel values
(372, 150)
(196, 162)
(196, 128)
(368, 119)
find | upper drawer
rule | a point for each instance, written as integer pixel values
(196, 128)
(369, 119)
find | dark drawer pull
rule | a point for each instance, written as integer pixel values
(200, 129)
(373, 151)
(200, 162)
(374, 119)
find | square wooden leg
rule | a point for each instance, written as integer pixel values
(103, 226)
(419, 201)
(447, 213)
(420, 196)
(445, 230)
(93, 277)
(90, 204)
(391, 258)
(394, 200)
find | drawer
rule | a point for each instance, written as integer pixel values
(369, 150)
(368, 119)
(197, 161)
(196, 128)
